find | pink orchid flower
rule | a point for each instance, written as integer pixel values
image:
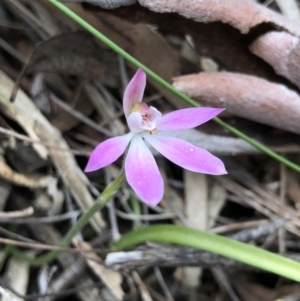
(147, 124)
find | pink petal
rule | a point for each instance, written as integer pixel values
(186, 155)
(142, 172)
(107, 152)
(187, 118)
(134, 91)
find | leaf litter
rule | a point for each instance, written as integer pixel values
(238, 55)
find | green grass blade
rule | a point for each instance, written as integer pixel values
(213, 243)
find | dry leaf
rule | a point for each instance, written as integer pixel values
(75, 53)
(107, 4)
(216, 144)
(242, 15)
(147, 46)
(245, 96)
(282, 51)
(112, 279)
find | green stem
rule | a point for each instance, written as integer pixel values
(7, 248)
(213, 243)
(136, 208)
(168, 86)
(106, 195)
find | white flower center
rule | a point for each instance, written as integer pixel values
(150, 116)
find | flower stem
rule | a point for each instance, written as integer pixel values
(213, 243)
(106, 195)
(168, 86)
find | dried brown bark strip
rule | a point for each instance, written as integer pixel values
(245, 96)
(162, 255)
(282, 51)
(243, 15)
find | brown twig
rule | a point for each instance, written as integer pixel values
(27, 139)
(17, 214)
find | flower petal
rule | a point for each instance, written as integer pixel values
(187, 118)
(107, 152)
(186, 155)
(142, 172)
(134, 91)
(134, 122)
(154, 118)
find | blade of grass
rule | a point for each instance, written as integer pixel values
(168, 86)
(213, 243)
